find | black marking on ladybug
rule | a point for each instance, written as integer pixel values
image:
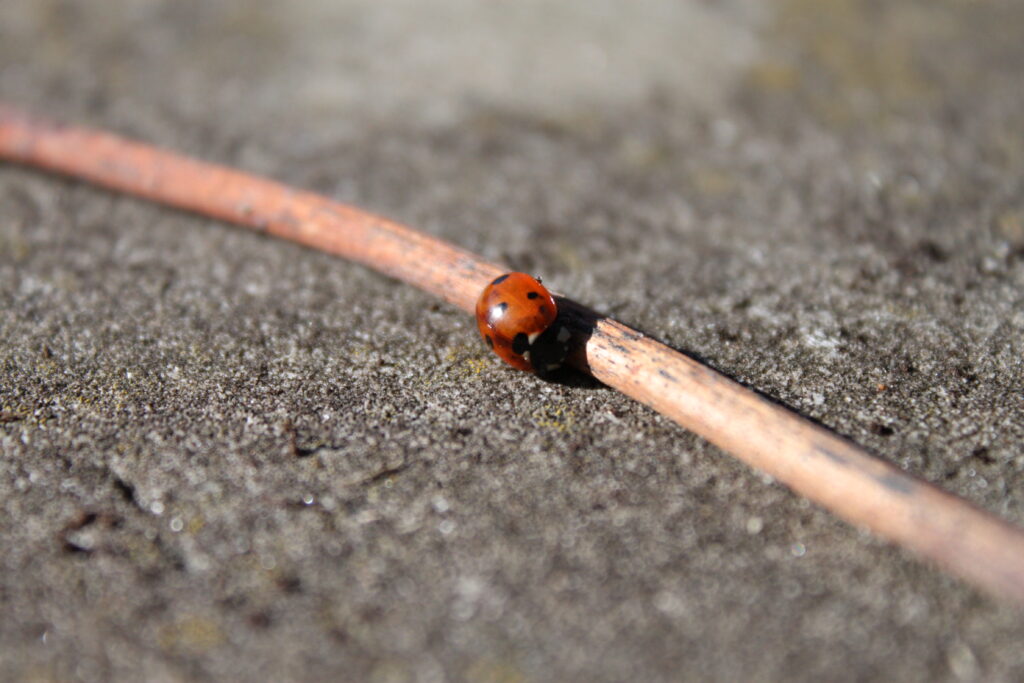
(521, 343)
(532, 295)
(549, 350)
(490, 342)
(543, 309)
(499, 280)
(502, 307)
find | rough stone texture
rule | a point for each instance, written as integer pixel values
(227, 457)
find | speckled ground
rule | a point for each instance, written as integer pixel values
(225, 457)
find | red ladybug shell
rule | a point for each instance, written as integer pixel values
(512, 312)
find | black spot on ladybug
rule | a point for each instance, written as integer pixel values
(543, 309)
(502, 307)
(521, 343)
(499, 280)
(490, 342)
(532, 295)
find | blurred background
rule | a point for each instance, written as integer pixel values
(226, 457)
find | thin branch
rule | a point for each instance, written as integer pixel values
(811, 460)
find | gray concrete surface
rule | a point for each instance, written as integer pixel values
(228, 458)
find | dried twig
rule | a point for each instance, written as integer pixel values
(811, 460)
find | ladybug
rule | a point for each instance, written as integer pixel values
(518, 319)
